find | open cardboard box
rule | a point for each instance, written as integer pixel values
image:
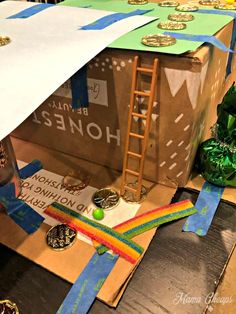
(187, 93)
(183, 112)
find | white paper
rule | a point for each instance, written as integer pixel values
(44, 188)
(46, 50)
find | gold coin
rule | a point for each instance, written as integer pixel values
(4, 40)
(222, 6)
(168, 4)
(61, 237)
(129, 197)
(187, 8)
(209, 2)
(8, 307)
(76, 181)
(171, 25)
(158, 40)
(137, 1)
(106, 198)
(180, 17)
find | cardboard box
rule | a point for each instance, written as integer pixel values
(188, 85)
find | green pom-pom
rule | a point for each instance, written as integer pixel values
(98, 214)
(217, 164)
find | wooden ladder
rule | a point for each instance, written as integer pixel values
(143, 137)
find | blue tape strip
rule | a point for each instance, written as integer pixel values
(30, 11)
(30, 169)
(79, 89)
(111, 19)
(219, 12)
(84, 291)
(206, 205)
(201, 38)
(232, 44)
(233, 39)
(23, 215)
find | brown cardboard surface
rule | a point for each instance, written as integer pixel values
(69, 263)
(196, 182)
(187, 93)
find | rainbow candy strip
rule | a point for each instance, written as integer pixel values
(119, 243)
(151, 219)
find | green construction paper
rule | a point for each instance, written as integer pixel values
(203, 24)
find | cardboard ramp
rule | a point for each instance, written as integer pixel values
(69, 263)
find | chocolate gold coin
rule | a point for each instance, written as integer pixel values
(106, 198)
(61, 237)
(137, 2)
(187, 8)
(158, 40)
(4, 40)
(129, 197)
(180, 17)
(222, 6)
(171, 25)
(75, 181)
(8, 307)
(209, 2)
(168, 4)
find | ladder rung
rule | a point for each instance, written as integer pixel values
(139, 93)
(135, 173)
(136, 135)
(134, 154)
(144, 70)
(140, 115)
(130, 189)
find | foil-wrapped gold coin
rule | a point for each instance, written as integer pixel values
(187, 8)
(209, 2)
(171, 25)
(106, 198)
(4, 40)
(168, 4)
(8, 307)
(75, 180)
(129, 197)
(137, 2)
(61, 237)
(158, 40)
(223, 6)
(180, 17)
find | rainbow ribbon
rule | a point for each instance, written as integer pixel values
(151, 219)
(119, 243)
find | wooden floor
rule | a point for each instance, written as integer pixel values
(177, 274)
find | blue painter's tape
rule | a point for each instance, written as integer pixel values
(219, 12)
(22, 214)
(84, 291)
(79, 89)
(30, 11)
(233, 39)
(232, 44)
(111, 19)
(206, 205)
(7, 191)
(201, 38)
(30, 169)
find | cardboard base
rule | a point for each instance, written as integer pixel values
(69, 263)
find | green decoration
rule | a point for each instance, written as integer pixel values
(98, 214)
(217, 156)
(217, 163)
